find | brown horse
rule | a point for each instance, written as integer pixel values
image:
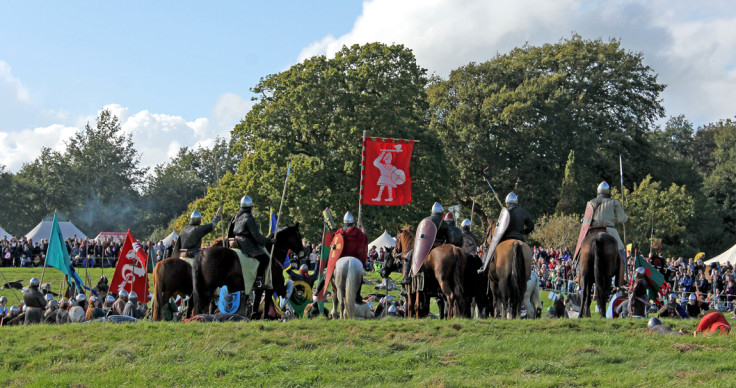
(171, 277)
(508, 275)
(599, 263)
(218, 266)
(442, 272)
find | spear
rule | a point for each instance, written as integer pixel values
(283, 194)
(494, 193)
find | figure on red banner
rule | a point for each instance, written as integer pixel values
(608, 212)
(244, 229)
(390, 175)
(356, 242)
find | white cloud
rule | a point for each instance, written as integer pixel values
(10, 83)
(24, 146)
(690, 44)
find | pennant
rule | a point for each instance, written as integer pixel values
(658, 287)
(287, 261)
(384, 173)
(131, 270)
(272, 224)
(57, 256)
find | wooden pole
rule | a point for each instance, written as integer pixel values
(11, 288)
(362, 171)
(283, 195)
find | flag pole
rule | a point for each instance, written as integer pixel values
(11, 288)
(362, 171)
(283, 195)
(623, 198)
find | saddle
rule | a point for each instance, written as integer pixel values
(596, 230)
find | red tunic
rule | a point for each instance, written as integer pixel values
(713, 322)
(356, 243)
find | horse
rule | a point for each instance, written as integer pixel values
(348, 278)
(532, 297)
(475, 288)
(442, 272)
(599, 263)
(508, 275)
(218, 266)
(171, 277)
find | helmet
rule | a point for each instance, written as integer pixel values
(92, 299)
(465, 224)
(81, 298)
(49, 297)
(3, 299)
(392, 310)
(123, 294)
(604, 188)
(109, 300)
(246, 202)
(437, 208)
(389, 298)
(511, 199)
(34, 282)
(103, 277)
(449, 217)
(52, 304)
(304, 268)
(654, 321)
(693, 297)
(195, 218)
(133, 296)
(348, 220)
(14, 310)
(641, 271)
(25, 308)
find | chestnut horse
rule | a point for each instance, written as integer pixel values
(599, 263)
(218, 266)
(508, 275)
(443, 271)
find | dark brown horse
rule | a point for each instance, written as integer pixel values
(218, 266)
(508, 275)
(599, 263)
(171, 277)
(442, 272)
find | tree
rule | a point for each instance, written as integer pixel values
(558, 231)
(515, 118)
(720, 184)
(571, 198)
(655, 210)
(313, 115)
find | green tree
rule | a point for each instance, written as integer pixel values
(571, 197)
(662, 211)
(720, 184)
(515, 118)
(558, 231)
(313, 115)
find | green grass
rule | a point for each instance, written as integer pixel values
(393, 352)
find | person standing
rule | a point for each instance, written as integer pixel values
(34, 302)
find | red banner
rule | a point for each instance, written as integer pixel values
(131, 271)
(385, 178)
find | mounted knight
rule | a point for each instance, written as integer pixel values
(454, 234)
(244, 232)
(189, 243)
(513, 223)
(354, 239)
(470, 243)
(432, 228)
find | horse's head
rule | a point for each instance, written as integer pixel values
(404, 242)
(290, 238)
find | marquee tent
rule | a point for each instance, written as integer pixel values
(4, 234)
(43, 231)
(385, 241)
(170, 239)
(729, 255)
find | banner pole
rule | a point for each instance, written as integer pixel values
(283, 195)
(362, 172)
(11, 288)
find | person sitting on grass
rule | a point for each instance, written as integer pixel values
(714, 322)
(131, 308)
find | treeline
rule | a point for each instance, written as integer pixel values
(548, 122)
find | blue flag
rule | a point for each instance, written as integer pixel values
(272, 224)
(287, 262)
(58, 257)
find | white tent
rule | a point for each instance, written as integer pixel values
(385, 241)
(43, 231)
(729, 255)
(170, 239)
(5, 234)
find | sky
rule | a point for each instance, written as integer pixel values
(180, 74)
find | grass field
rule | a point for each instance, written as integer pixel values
(393, 352)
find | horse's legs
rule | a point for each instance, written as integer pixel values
(586, 288)
(601, 297)
(441, 307)
(256, 303)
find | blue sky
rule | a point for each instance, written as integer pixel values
(179, 74)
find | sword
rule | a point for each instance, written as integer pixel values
(494, 193)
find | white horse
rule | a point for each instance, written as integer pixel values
(346, 280)
(532, 298)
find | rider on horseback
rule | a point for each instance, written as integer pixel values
(470, 243)
(440, 238)
(454, 234)
(191, 236)
(520, 221)
(607, 213)
(355, 241)
(244, 229)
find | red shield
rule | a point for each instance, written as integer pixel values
(587, 219)
(335, 251)
(501, 225)
(426, 232)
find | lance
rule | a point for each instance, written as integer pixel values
(11, 288)
(494, 193)
(283, 195)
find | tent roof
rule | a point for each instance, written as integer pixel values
(385, 240)
(729, 255)
(3, 233)
(170, 238)
(43, 231)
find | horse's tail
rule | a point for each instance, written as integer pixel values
(596, 248)
(156, 305)
(353, 282)
(518, 273)
(460, 264)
